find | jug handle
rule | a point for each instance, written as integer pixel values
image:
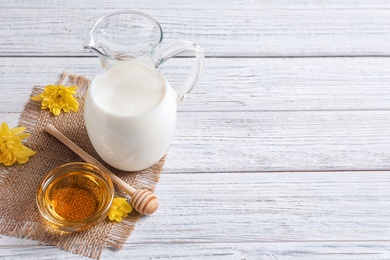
(167, 52)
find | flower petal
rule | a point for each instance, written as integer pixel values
(58, 98)
(73, 105)
(11, 147)
(24, 151)
(17, 130)
(119, 208)
(126, 207)
(118, 218)
(5, 129)
(23, 136)
(37, 98)
(56, 110)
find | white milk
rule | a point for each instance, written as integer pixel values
(130, 115)
(128, 88)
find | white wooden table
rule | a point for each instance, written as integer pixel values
(282, 151)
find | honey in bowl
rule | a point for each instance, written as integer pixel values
(75, 196)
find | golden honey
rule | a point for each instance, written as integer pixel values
(75, 196)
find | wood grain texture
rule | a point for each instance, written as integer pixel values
(12, 119)
(284, 215)
(278, 141)
(271, 207)
(201, 4)
(267, 251)
(241, 84)
(240, 29)
(266, 156)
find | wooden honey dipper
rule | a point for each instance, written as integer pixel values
(143, 201)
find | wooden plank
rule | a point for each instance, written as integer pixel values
(203, 4)
(300, 250)
(12, 119)
(287, 250)
(250, 30)
(274, 214)
(245, 84)
(272, 116)
(270, 207)
(279, 141)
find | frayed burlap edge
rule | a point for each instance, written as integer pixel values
(29, 224)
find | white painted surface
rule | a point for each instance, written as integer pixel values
(238, 28)
(273, 158)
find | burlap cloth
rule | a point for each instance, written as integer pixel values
(19, 216)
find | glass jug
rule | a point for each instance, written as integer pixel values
(130, 109)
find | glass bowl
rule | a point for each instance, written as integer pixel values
(75, 196)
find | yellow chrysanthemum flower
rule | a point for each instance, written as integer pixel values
(11, 148)
(119, 208)
(57, 98)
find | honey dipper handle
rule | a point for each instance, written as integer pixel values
(89, 159)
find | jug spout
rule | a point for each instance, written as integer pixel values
(90, 46)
